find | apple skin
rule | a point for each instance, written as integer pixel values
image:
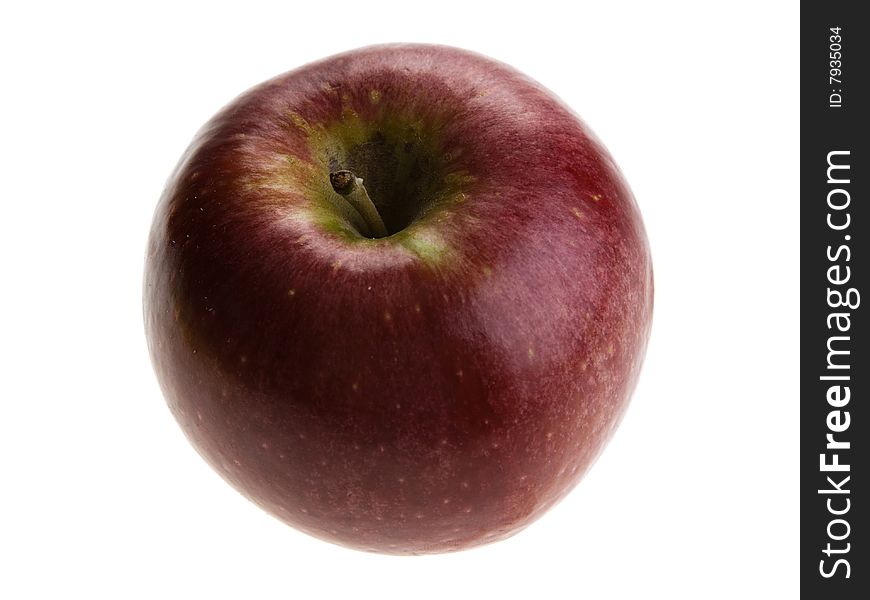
(425, 392)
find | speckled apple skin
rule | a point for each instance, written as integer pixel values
(425, 392)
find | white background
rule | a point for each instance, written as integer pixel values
(696, 497)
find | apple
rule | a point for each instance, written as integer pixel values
(399, 298)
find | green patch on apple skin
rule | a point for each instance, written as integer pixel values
(428, 246)
(337, 220)
(300, 122)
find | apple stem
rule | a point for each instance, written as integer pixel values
(351, 188)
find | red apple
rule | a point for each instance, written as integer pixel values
(426, 390)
